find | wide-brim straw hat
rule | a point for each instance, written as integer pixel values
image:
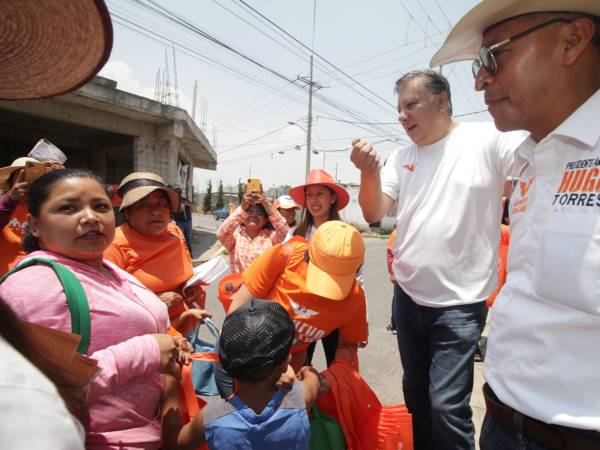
(318, 176)
(6, 172)
(51, 47)
(464, 40)
(138, 185)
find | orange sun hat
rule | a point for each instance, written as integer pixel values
(318, 176)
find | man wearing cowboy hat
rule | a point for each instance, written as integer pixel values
(538, 64)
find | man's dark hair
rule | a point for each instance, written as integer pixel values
(567, 15)
(576, 15)
(435, 82)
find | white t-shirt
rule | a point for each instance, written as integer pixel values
(32, 413)
(542, 356)
(448, 213)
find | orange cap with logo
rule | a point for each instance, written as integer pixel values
(336, 251)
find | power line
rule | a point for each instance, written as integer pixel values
(253, 140)
(260, 82)
(317, 55)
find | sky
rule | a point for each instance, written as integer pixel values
(247, 69)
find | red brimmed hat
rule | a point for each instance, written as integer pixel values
(318, 176)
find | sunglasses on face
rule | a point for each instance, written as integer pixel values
(255, 212)
(486, 58)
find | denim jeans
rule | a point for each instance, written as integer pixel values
(436, 349)
(397, 293)
(186, 230)
(495, 436)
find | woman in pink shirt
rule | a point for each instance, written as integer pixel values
(72, 222)
(250, 230)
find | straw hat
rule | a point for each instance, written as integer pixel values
(6, 172)
(336, 251)
(318, 176)
(138, 185)
(464, 40)
(51, 47)
(285, 202)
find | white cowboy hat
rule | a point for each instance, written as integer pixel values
(464, 40)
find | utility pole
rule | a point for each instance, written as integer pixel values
(309, 127)
(312, 86)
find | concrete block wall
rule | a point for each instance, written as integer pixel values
(153, 155)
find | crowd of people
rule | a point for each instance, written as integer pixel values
(94, 317)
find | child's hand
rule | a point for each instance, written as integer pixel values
(286, 378)
(301, 375)
(195, 313)
(170, 298)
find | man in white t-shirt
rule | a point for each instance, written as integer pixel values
(540, 71)
(447, 190)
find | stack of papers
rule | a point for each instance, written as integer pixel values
(208, 272)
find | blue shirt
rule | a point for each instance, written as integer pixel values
(283, 424)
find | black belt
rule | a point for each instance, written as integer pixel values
(553, 437)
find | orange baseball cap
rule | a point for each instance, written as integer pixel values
(336, 251)
(318, 176)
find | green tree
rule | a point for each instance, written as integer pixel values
(240, 193)
(220, 196)
(207, 203)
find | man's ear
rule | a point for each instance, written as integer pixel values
(576, 38)
(34, 225)
(443, 101)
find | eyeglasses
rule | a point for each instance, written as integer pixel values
(486, 54)
(255, 212)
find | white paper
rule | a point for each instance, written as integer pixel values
(46, 151)
(208, 272)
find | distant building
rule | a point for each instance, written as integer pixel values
(353, 214)
(109, 131)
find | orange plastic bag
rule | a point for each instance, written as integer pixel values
(367, 424)
(228, 286)
(189, 402)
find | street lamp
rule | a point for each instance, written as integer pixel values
(307, 145)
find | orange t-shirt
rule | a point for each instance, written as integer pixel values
(280, 275)
(162, 263)
(12, 233)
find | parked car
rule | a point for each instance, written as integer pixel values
(221, 214)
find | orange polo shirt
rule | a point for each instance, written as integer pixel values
(280, 275)
(162, 263)
(10, 242)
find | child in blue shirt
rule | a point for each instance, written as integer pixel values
(254, 349)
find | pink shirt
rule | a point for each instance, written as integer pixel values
(242, 249)
(124, 398)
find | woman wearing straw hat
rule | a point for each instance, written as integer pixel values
(152, 248)
(321, 198)
(13, 209)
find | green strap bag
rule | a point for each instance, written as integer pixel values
(76, 298)
(325, 432)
